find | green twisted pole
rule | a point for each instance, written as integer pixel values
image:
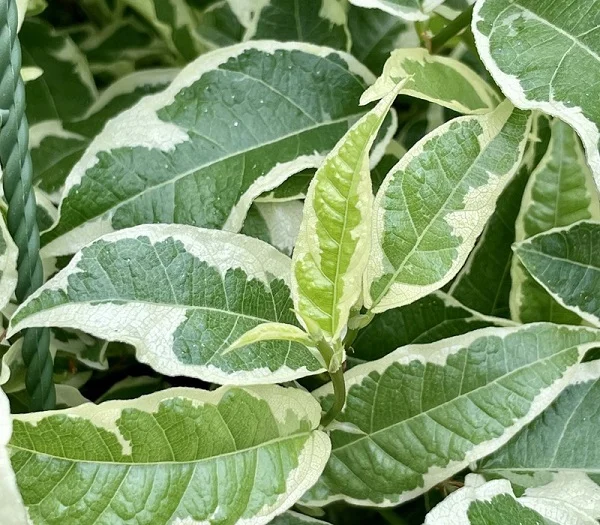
(21, 217)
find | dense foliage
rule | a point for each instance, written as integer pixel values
(309, 262)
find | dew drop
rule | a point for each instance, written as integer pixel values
(236, 123)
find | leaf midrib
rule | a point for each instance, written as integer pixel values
(152, 463)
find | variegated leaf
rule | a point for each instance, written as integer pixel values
(181, 295)
(545, 54)
(566, 263)
(56, 147)
(484, 283)
(125, 460)
(433, 204)
(199, 152)
(560, 445)
(442, 80)
(375, 34)
(424, 412)
(560, 192)
(321, 22)
(494, 502)
(332, 248)
(429, 319)
(406, 9)
(12, 510)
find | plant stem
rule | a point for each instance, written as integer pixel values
(451, 30)
(339, 392)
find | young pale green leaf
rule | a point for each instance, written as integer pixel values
(56, 147)
(12, 510)
(433, 204)
(174, 21)
(375, 34)
(424, 412)
(294, 518)
(428, 319)
(406, 9)
(66, 88)
(561, 441)
(8, 265)
(332, 248)
(560, 192)
(277, 223)
(233, 124)
(152, 459)
(566, 263)
(511, 34)
(442, 80)
(272, 332)
(493, 503)
(181, 295)
(322, 22)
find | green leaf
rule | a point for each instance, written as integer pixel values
(199, 152)
(181, 295)
(12, 510)
(424, 412)
(174, 21)
(561, 441)
(56, 147)
(332, 248)
(125, 460)
(291, 189)
(442, 80)
(8, 265)
(321, 22)
(433, 204)
(219, 26)
(566, 263)
(277, 223)
(560, 192)
(431, 318)
(406, 9)
(393, 153)
(65, 89)
(511, 34)
(375, 34)
(492, 503)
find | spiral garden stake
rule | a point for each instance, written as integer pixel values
(21, 216)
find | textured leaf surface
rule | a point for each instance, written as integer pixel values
(560, 192)
(424, 412)
(442, 80)
(566, 262)
(407, 9)
(233, 124)
(180, 295)
(433, 204)
(492, 503)
(126, 460)
(428, 319)
(545, 54)
(484, 283)
(563, 439)
(321, 22)
(332, 248)
(375, 34)
(56, 147)
(12, 511)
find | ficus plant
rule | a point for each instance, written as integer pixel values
(309, 262)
